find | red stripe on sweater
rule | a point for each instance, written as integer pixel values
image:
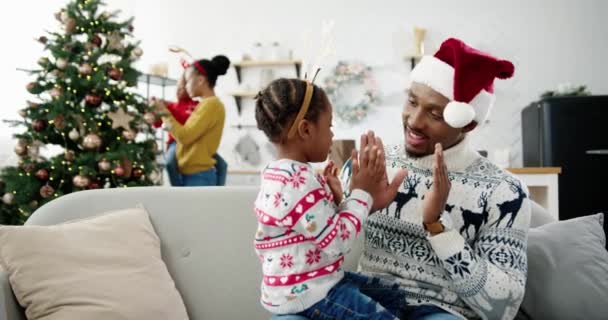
(291, 279)
(334, 232)
(290, 219)
(281, 243)
(275, 177)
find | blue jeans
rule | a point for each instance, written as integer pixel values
(176, 178)
(200, 179)
(222, 169)
(360, 297)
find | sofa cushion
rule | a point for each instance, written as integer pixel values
(567, 270)
(105, 267)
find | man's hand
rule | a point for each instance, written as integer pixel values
(381, 191)
(331, 176)
(436, 198)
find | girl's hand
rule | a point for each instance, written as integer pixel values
(331, 176)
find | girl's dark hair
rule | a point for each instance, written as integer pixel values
(215, 67)
(278, 104)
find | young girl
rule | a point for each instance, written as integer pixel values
(304, 227)
(199, 137)
(181, 111)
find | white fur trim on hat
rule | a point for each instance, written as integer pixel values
(458, 114)
(436, 74)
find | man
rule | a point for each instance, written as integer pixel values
(454, 237)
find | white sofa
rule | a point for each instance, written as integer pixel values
(206, 235)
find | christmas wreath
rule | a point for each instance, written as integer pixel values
(352, 91)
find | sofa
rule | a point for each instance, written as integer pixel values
(195, 225)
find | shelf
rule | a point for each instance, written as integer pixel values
(156, 80)
(266, 63)
(536, 170)
(244, 126)
(150, 79)
(413, 59)
(240, 95)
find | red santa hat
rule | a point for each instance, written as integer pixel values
(465, 76)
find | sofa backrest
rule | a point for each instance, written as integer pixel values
(207, 241)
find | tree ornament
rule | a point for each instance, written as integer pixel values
(70, 25)
(20, 150)
(32, 87)
(42, 174)
(38, 125)
(43, 39)
(94, 185)
(104, 165)
(120, 119)
(91, 141)
(115, 74)
(85, 69)
(96, 40)
(43, 62)
(136, 53)
(155, 177)
(28, 167)
(81, 181)
(8, 198)
(69, 155)
(23, 113)
(59, 122)
(129, 134)
(46, 191)
(137, 173)
(61, 63)
(33, 204)
(55, 92)
(74, 135)
(92, 100)
(119, 171)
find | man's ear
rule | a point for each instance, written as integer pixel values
(469, 127)
(305, 129)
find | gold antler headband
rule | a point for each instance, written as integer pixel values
(305, 104)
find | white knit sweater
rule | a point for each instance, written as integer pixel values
(477, 267)
(302, 235)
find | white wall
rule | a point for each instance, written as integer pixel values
(550, 42)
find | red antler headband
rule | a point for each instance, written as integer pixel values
(185, 64)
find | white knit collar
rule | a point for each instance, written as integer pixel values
(457, 158)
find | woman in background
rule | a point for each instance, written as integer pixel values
(198, 139)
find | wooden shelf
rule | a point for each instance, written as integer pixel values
(239, 96)
(245, 172)
(265, 63)
(536, 170)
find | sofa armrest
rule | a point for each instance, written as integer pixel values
(9, 308)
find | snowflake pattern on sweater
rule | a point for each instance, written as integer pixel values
(302, 235)
(477, 267)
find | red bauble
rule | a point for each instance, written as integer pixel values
(137, 173)
(92, 100)
(94, 185)
(96, 40)
(38, 125)
(42, 175)
(115, 74)
(43, 40)
(119, 171)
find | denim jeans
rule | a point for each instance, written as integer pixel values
(200, 179)
(175, 178)
(360, 297)
(222, 169)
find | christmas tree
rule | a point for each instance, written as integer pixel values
(82, 101)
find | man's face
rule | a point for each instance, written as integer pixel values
(423, 122)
